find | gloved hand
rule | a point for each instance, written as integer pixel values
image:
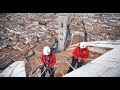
(44, 65)
(48, 67)
(52, 67)
(79, 59)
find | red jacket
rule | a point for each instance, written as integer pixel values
(78, 53)
(45, 59)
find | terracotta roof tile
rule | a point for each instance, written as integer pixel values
(76, 39)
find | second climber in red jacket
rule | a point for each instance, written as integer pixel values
(80, 53)
(48, 60)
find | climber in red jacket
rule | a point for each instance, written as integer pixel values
(80, 53)
(48, 60)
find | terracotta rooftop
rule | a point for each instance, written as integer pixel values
(76, 39)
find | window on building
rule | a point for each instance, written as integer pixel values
(61, 33)
(61, 25)
(61, 39)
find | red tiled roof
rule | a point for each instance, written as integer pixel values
(16, 54)
(76, 39)
(66, 54)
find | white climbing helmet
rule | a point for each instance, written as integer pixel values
(46, 50)
(83, 45)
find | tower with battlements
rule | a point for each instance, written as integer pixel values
(62, 19)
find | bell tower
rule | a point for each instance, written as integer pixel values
(62, 30)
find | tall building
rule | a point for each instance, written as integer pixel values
(63, 17)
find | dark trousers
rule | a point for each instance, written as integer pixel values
(74, 62)
(50, 70)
